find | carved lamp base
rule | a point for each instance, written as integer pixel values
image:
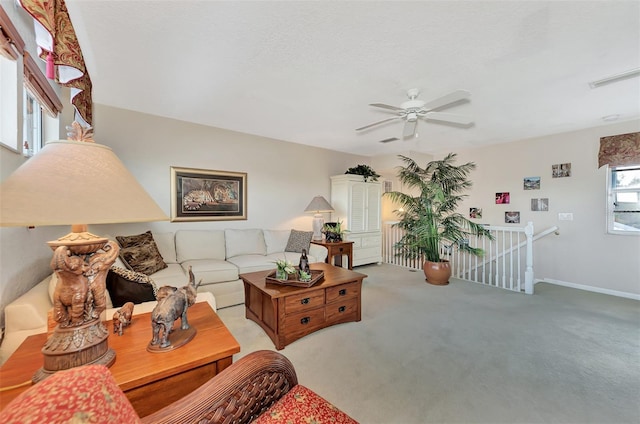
(75, 346)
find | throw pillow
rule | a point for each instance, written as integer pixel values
(78, 395)
(125, 286)
(140, 253)
(299, 240)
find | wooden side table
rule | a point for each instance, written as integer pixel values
(149, 380)
(336, 250)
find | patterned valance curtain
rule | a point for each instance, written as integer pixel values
(57, 42)
(619, 150)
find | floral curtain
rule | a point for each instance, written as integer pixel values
(58, 43)
(620, 150)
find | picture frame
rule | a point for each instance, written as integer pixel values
(208, 195)
(531, 183)
(503, 198)
(540, 205)
(561, 170)
(512, 217)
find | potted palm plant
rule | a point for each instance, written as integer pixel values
(428, 215)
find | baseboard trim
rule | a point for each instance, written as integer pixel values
(590, 288)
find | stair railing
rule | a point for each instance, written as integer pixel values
(507, 263)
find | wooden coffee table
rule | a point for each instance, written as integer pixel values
(287, 313)
(149, 380)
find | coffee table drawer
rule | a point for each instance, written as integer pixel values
(304, 301)
(343, 291)
(304, 321)
(343, 310)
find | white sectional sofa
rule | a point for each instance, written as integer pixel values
(217, 257)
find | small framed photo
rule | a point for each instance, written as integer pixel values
(206, 195)
(475, 212)
(502, 198)
(532, 183)
(512, 217)
(538, 205)
(561, 170)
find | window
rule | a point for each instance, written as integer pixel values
(8, 102)
(624, 200)
(32, 125)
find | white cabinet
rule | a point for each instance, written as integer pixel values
(358, 205)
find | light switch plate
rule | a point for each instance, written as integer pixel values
(565, 216)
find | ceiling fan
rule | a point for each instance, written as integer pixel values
(413, 109)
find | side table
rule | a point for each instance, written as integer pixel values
(149, 380)
(336, 250)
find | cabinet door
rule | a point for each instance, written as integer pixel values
(359, 205)
(373, 208)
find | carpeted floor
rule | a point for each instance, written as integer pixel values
(465, 353)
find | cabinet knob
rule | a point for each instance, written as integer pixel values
(342, 309)
(305, 320)
(304, 301)
(342, 292)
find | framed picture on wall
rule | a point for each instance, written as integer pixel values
(512, 217)
(532, 183)
(561, 170)
(503, 198)
(538, 205)
(207, 195)
(475, 213)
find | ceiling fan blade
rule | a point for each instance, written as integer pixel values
(389, 107)
(388, 140)
(447, 99)
(378, 123)
(448, 117)
(409, 128)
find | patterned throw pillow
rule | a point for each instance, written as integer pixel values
(299, 240)
(125, 286)
(140, 253)
(78, 395)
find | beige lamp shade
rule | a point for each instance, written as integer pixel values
(319, 205)
(74, 182)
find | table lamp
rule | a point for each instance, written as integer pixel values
(318, 206)
(76, 182)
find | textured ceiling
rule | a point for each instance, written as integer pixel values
(305, 71)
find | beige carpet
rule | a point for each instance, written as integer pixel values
(465, 353)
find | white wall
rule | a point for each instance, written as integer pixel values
(583, 253)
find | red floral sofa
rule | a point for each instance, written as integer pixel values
(262, 387)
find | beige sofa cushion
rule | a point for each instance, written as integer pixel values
(173, 275)
(276, 240)
(211, 271)
(166, 243)
(244, 242)
(199, 244)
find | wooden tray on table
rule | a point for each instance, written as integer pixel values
(316, 276)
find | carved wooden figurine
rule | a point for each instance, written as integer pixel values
(122, 318)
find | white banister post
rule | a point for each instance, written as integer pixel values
(528, 273)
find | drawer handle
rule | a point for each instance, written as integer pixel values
(305, 320)
(305, 301)
(342, 309)
(342, 292)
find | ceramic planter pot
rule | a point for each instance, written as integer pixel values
(437, 273)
